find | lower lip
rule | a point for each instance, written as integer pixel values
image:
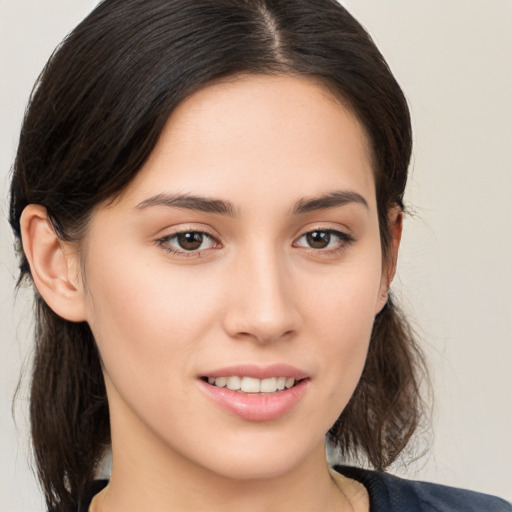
(256, 407)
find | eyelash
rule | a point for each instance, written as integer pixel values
(344, 241)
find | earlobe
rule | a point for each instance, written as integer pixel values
(53, 265)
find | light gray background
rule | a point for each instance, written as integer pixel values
(454, 61)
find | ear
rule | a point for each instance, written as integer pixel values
(395, 221)
(54, 265)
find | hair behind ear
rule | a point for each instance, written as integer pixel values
(68, 408)
(387, 405)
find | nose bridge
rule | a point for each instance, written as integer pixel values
(261, 297)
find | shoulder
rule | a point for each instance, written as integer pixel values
(389, 493)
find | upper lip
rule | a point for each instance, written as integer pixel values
(258, 371)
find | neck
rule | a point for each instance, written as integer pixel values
(163, 486)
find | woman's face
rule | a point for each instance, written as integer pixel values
(246, 248)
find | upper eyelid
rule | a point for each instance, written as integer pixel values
(300, 234)
(345, 233)
(170, 232)
(325, 224)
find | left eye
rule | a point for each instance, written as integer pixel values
(188, 241)
(323, 239)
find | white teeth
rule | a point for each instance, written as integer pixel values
(234, 383)
(289, 382)
(268, 385)
(221, 382)
(251, 384)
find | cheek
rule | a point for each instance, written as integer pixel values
(146, 319)
(341, 316)
(344, 300)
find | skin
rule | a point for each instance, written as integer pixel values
(256, 292)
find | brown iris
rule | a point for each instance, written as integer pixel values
(318, 239)
(190, 241)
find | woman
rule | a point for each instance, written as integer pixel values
(209, 200)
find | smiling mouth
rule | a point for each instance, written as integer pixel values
(252, 385)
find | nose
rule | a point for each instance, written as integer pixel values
(261, 304)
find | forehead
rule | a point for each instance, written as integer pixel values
(248, 136)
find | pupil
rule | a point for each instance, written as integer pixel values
(190, 241)
(318, 239)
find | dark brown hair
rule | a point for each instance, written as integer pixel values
(95, 115)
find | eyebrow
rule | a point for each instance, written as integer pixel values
(219, 206)
(190, 202)
(331, 200)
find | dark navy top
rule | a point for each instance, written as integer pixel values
(390, 493)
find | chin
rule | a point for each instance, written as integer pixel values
(260, 461)
(256, 468)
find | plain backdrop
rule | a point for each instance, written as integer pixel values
(453, 58)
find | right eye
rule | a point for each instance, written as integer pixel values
(188, 242)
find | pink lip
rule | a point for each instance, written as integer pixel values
(258, 372)
(256, 407)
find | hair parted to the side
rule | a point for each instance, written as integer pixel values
(94, 117)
